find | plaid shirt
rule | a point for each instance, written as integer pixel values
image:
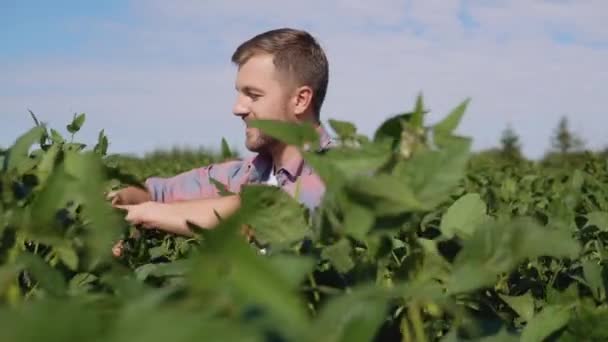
(197, 184)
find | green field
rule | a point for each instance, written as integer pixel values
(417, 239)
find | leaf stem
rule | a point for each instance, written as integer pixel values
(313, 284)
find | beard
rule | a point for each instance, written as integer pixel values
(258, 142)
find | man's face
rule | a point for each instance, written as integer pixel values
(262, 95)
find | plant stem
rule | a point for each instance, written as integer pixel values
(405, 330)
(414, 313)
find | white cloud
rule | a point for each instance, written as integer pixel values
(510, 67)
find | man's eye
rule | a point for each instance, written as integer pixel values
(254, 96)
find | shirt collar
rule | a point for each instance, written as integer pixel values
(293, 167)
(262, 164)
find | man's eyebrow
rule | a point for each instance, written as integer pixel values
(250, 89)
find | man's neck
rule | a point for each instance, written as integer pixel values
(281, 154)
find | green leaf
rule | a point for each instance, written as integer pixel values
(546, 322)
(451, 122)
(502, 336)
(289, 133)
(81, 283)
(74, 147)
(47, 278)
(353, 316)
(279, 218)
(104, 223)
(56, 136)
(226, 153)
(221, 187)
(417, 121)
(164, 323)
(47, 163)
(28, 164)
(77, 123)
(51, 320)
(432, 175)
(165, 269)
(566, 297)
(68, 256)
(598, 219)
(142, 272)
(339, 254)
(385, 194)
(499, 246)
(102, 144)
(463, 217)
(228, 266)
(18, 153)
(292, 268)
(8, 276)
(390, 130)
(344, 129)
(592, 272)
(340, 164)
(42, 216)
(158, 251)
(34, 117)
(523, 305)
(589, 324)
(358, 221)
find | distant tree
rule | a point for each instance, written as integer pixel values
(564, 141)
(510, 145)
(604, 153)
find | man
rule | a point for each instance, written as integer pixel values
(282, 75)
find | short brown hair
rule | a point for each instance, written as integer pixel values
(295, 52)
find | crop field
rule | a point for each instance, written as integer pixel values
(417, 239)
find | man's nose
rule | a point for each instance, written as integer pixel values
(240, 108)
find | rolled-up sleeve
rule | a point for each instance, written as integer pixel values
(193, 184)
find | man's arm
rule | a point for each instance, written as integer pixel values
(172, 217)
(129, 195)
(194, 184)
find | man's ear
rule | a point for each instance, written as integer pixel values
(302, 100)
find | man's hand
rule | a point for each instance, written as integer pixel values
(156, 215)
(173, 217)
(128, 196)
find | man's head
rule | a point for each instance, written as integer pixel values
(282, 75)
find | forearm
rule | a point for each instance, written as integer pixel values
(131, 195)
(200, 212)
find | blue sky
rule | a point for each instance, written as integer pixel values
(157, 73)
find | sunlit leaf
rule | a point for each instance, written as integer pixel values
(432, 175)
(289, 133)
(18, 153)
(344, 129)
(450, 122)
(279, 218)
(463, 216)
